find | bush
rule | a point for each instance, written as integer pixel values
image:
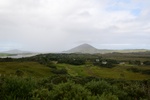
(69, 91)
(146, 72)
(108, 96)
(135, 91)
(17, 88)
(61, 88)
(40, 94)
(146, 62)
(99, 87)
(136, 70)
(19, 73)
(105, 90)
(59, 71)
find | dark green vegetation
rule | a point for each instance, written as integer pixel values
(65, 87)
(116, 76)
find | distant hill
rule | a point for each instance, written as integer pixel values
(86, 48)
(16, 51)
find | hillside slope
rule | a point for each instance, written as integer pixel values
(86, 48)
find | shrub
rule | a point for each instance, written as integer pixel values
(135, 91)
(59, 71)
(69, 91)
(146, 62)
(146, 72)
(40, 94)
(17, 88)
(108, 96)
(105, 90)
(136, 70)
(98, 87)
(19, 73)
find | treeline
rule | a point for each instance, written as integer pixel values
(77, 59)
(65, 87)
(73, 59)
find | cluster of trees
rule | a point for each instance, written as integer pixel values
(59, 71)
(146, 62)
(136, 62)
(136, 70)
(72, 61)
(72, 88)
(75, 59)
(6, 59)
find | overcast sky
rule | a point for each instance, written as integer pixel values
(58, 25)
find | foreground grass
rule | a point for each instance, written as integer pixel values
(33, 69)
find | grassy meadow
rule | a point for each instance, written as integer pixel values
(29, 69)
(37, 70)
(118, 72)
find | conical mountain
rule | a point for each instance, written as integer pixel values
(84, 48)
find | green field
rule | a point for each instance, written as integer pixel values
(33, 69)
(118, 72)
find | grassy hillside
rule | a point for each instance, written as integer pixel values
(118, 72)
(33, 69)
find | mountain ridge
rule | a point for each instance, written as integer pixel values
(86, 48)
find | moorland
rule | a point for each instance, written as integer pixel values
(76, 76)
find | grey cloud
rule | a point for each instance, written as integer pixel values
(54, 25)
